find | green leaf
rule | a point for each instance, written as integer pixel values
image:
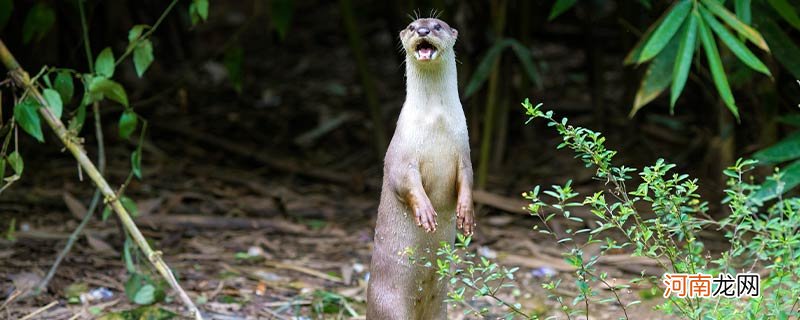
(127, 247)
(731, 20)
(76, 123)
(198, 11)
(484, 68)
(202, 8)
(717, 71)
(143, 56)
(2, 168)
(683, 61)
(106, 213)
(784, 150)
(140, 289)
(234, 60)
(657, 77)
(109, 89)
(129, 206)
(666, 30)
(53, 102)
(787, 11)
(635, 55)
(736, 46)
(38, 22)
(16, 163)
(783, 47)
(135, 280)
(127, 123)
(280, 16)
(790, 179)
(6, 7)
(136, 163)
(560, 7)
(743, 10)
(523, 53)
(27, 116)
(136, 32)
(145, 295)
(104, 66)
(64, 86)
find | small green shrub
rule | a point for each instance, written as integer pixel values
(762, 238)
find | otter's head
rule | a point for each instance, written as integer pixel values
(427, 40)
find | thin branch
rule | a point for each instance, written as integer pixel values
(146, 35)
(85, 31)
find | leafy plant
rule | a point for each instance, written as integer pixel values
(786, 151)
(671, 41)
(326, 302)
(658, 219)
(485, 66)
(143, 290)
(669, 45)
(42, 100)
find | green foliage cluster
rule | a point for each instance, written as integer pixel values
(58, 88)
(658, 219)
(668, 46)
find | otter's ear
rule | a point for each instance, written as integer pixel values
(454, 31)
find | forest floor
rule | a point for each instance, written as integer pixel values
(263, 216)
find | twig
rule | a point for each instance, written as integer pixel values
(273, 314)
(70, 242)
(311, 272)
(284, 304)
(40, 310)
(22, 80)
(13, 296)
(146, 35)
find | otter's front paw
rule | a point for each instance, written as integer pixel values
(465, 217)
(425, 216)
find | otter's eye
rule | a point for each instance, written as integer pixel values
(411, 28)
(438, 27)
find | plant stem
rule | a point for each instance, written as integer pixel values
(352, 28)
(70, 242)
(146, 35)
(22, 79)
(499, 13)
(85, 31)
(101, 163)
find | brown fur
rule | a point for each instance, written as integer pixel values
(427, 184)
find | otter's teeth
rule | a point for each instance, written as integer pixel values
(425, 53)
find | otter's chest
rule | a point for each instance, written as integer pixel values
(437, 140)
(430, 129)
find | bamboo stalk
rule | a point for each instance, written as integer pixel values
(499, 14)
(352, 28)
(22, 79)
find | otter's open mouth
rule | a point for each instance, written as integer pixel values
(425, 51)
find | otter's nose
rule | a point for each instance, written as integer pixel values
(423, 31)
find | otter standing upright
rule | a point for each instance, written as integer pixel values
(427, 180)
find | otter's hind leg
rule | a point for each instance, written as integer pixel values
(388, 294)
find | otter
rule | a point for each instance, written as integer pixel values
(427, 180)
